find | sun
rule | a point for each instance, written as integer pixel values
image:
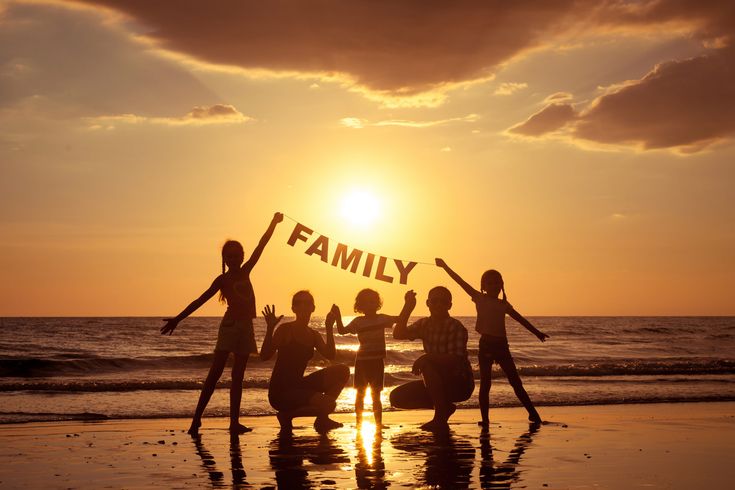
(360, 207)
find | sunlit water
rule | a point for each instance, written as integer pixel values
(55, 368)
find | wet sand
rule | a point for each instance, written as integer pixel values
(688, 445)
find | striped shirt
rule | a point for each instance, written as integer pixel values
(371, 334)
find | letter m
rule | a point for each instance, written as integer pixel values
(340, 256)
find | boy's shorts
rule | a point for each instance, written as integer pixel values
(369, 372)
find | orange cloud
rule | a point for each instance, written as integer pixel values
(198, 116)
(358, 123)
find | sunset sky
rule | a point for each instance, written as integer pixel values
(583, 149)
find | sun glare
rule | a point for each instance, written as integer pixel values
(360, 207)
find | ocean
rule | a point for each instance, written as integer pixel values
(97, 368)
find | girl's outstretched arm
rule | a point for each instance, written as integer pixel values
(171, 323)
(520, 319)
(463, 284)
(269, 347)
(248, 266)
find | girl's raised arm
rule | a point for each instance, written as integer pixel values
(463, 284)
(171, 323)
(248, 266)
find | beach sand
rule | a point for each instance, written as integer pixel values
(688, 445)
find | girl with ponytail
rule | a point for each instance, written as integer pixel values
(491, 312)
(236, 332)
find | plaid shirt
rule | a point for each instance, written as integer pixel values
(440, 336)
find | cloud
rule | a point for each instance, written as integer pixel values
(392, 50)
(198, 116)
(357, 123)
(508, 88)
(547, 120)
(684, 105)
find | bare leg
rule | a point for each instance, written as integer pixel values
(359, 404)
(335, 379)
(443, 408)
(411, 395)
(484, 396)
(377, 407)
(238, 374)
(509, 367)
(215, 371)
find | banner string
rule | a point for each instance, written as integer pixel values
(392, 258)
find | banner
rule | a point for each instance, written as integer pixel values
(383, 269)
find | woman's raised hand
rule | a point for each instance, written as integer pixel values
(269, 313)
(277, 217)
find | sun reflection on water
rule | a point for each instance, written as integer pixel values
(366, 438)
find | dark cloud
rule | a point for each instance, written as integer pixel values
(400, 47)
(687, 105)
(397, 47)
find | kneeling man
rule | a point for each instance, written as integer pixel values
(445, 368)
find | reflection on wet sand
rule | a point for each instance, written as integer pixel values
(210, 465)
(370, 467)
(449, 459)
(288, 452)
(504, 474)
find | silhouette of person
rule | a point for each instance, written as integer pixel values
(448, 460)
(445, 368)
(290, 392)
(505, 474)
(208, 463)
(369, 364)
(287, 455)
(236, 334)
(491, 312)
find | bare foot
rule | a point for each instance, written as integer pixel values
(435, 426)
(535, 418)
(239, 429)
(326, 424)
(194, 429)
(485, 424)
(286, 422)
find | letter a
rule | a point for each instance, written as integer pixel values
(321, 247)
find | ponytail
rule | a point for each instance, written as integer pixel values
(221, 294)
(505, 297)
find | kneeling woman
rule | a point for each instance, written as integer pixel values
(290, 392)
